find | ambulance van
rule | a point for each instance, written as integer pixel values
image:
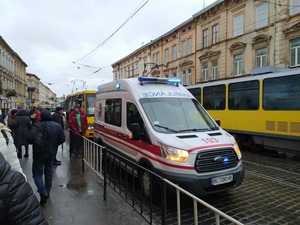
(158, 124)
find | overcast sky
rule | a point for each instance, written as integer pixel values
(64, 42)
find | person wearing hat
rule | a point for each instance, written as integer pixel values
(57, 117)
(42, 165)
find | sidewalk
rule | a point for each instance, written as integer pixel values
(77, 198)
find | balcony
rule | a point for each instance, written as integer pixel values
(11, 93)
(31, 89)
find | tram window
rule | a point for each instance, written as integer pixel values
(196, 92)
(243, 95)
(214, 97)
(281, 93)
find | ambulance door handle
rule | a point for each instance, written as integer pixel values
(120, 135)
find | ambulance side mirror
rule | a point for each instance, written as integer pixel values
(218, 122)
(135, 131)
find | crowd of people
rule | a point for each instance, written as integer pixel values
(20, 128)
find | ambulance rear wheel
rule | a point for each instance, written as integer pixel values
(149, 184)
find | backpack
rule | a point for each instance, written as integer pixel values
(41, 142)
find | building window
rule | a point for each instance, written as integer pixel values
(189, 43)
(262, 15)
(261, 57)
(294, 7)
(295, 52)
(214, 69)
(205, 38)
(183, 48)
(187, 77)
(132, 70)
(204, 71)
(215, 34)
(238, 64)
(154, 58)
(174, 52)
(238, 25)
(136, 68)
(166, 55)
(128, 72)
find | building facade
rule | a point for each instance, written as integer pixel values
(33, 90)
(12, 76)
(228, 38)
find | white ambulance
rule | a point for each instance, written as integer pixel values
(158, 124)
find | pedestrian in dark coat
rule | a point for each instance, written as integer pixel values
(57, 117)
(21, 127)
(42, 166)
(18, 204)
(12, 113)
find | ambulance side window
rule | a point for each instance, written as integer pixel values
(133, 115)
(113, 109)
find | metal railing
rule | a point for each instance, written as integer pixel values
(123, 176)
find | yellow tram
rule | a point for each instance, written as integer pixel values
(261, 110)
(86, 101)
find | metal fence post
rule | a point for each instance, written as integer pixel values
(83, 146)
(163, 203)
(104, 156)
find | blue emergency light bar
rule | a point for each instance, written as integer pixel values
(173, 81)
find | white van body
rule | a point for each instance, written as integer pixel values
(179, 140)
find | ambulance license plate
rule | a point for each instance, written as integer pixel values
(221, 180)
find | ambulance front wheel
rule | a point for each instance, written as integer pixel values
(149, 185)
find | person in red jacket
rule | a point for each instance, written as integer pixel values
(77, 124)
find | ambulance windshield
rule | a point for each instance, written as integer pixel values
(176, 115)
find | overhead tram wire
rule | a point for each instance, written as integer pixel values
(137, 9)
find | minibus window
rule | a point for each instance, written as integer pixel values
(133, 115)
(172, 115)
(113, 109)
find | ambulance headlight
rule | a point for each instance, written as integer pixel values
(237, 150)
(174, 154)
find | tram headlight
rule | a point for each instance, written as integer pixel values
(174, 154)
(90, 127)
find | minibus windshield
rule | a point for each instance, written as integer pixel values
(177, 115)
